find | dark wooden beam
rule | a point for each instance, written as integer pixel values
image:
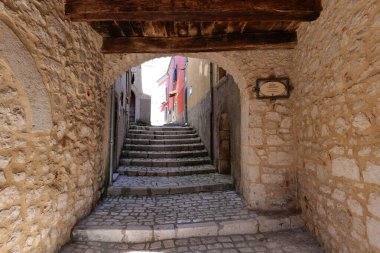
(214, 43)
(193, 10)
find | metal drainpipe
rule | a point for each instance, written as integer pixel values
(112, 134)
(212, 113)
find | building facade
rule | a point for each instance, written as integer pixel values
(174, 82)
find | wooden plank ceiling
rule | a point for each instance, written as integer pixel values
(175, 26)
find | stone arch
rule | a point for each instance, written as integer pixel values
(245, 69)
(25, 70)
(115, 65)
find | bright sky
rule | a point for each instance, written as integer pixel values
(152, 71)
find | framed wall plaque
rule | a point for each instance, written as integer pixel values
(272, 88)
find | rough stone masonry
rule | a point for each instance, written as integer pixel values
(318, 151)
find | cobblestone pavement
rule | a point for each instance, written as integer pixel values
(172, 182)
(294, 241)
(169, 209)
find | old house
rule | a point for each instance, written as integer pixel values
(174, 83)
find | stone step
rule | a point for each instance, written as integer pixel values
(146, 132)
(141, 219)
(294, 240)
(164, 154)
(163, 142)
(161, 128)
(184, 147)
(165, 162)
(165, 171)
(153, 185)
(161, 137)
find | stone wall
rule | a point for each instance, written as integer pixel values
(121, 90)
(199, 118)
(337, 124)
(51, 172)
(199, 101)
(145, 108)
(227, 101)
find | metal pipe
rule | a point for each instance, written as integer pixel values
(212, 113)
(112, 134)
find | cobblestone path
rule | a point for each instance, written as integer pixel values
(168, 198)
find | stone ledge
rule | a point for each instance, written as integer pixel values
(147, 191)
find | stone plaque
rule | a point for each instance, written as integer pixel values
(272, 88)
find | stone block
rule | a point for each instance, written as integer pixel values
(361, 122)
(274, 116)
(286, 123)
(280, 158)
(371, 174)
(274, 140)
(341, 125)
(9, 196)
(4, 161)
(373, 232)
(272, 179)
(339, 195)
(272, 224)
(256, 136)
(253, 158)
(100, 235)
(196, 230)
(344, 167)
(238, 227)
(137, 234)
(2, 178)
(374, 203)
(163, 232)
(355, 207)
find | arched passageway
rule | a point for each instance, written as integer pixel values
(262, 190)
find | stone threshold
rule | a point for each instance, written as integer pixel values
(140, 234)
(152, 191)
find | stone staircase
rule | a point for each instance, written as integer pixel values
(166, 160)
(167, 189)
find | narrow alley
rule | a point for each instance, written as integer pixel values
(189, 126)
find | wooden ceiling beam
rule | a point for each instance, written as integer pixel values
(214, 43)
(193, 10)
